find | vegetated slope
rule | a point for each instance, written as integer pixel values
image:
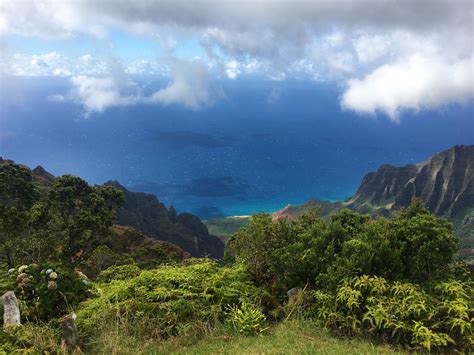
(147, 214)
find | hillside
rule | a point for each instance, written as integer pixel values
(147, 214)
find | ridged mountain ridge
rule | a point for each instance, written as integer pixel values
(445, 183)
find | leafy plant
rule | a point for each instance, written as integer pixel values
(247, 319)
(400, 312)
(166, 301)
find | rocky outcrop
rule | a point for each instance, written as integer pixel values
(444, 182)
(146, 213)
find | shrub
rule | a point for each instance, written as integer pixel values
(31, 338)
(414, 245)
(46, 292)
(165, 301)
(399, 312)
(246, 319)
(121, 272)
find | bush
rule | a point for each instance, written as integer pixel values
(45, 292)
(401, 313)
(121, 272)
(166, 301)
(246, 319)
(31, 338)
(414, 245)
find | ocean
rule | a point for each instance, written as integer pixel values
(262, 145)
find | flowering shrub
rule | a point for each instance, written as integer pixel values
(47, 292)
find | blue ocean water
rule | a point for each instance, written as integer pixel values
(263, 145)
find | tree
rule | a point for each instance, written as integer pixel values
(80, 216)
(425, 242)
(17, 194)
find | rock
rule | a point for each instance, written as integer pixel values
(293, 295)
(11, 311)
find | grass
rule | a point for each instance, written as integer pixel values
(290, 337)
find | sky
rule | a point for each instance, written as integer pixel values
(209, 74)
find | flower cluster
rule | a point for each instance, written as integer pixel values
(47, 291)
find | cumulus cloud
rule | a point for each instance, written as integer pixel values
(417, 83)
(190, 86)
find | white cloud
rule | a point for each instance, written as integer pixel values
(370, 48)
(419, 82)
(49, 64)
(190, 86)
(233, 69)
(98, 94)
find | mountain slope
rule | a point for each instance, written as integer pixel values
(147, 214)
(445, 183)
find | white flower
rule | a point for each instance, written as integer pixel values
(53, 275)
(22, 268)
(85, 282)
(12, 270)
(49, 271)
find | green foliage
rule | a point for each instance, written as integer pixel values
(30, 338)
(17, 194)
(45, 292)
(70, 220)
(424, 242)
(400, 312)
(120, 272)
(280, 254)
(168, 300)
(103, 258)
(80, 216)
(414, 245)
(246, 319)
